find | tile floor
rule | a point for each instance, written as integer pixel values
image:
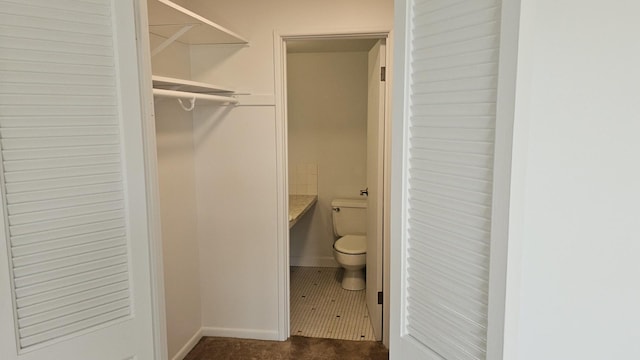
(321, 308)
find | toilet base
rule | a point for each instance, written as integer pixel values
(353, 280)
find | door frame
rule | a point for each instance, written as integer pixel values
(279, 42)
(154, 225)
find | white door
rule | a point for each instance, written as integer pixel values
(375, 163)
(74, 244)
(444, 135)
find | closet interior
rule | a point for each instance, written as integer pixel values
(220, 172)
(172, 23)
(173, 30)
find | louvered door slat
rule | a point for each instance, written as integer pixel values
(65, 244)
(18, 32)
(461, 146)
(23, 188)
(459, 300)
(465, 330)
(66, 202)
(65, 233)
(462, 207)
(50, 299)
(28, 143)
(97, 14)
(66, 320)
(54, 55)
(34, 196)
(33, 287)
(45, 307)
(66, 120)
(452, 103)
(451, 86)
(63, 172)
(59, 268)
(46, 132)
(65, 212)
(67, 252)
(456, 158)
(22, 165)
(57, 111)
(36, 66)
(451, 169)
(59, 329)
(460, 275)
(59, 46)
(104, 299)
(457, 346)
(49, 275)
(70, 222)
(32, 154)
(452, 134)
(57, 100)
(62, 167)
(80, 6)
(59, 89)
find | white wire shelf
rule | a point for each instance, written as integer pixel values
(175, 23)
(191, 90)
(169, 83)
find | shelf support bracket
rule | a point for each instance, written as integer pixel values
(171, 39)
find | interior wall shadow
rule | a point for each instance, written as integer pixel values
(202, 126)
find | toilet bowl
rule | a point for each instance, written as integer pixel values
(350, 249)
(350, 252)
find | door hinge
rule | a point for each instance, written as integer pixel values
(380, 297)
(383, 73)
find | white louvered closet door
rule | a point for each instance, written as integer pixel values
(74, 266)
(450, 87)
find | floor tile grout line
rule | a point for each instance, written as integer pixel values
(353, 323)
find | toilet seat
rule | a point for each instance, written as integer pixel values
(351, 244)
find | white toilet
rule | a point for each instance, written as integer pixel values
(350, 250)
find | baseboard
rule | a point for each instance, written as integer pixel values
(319, 261)
(188, 346)
(241, 333)
(224, 332)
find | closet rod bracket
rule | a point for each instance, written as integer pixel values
(192, 104)
(171, 39)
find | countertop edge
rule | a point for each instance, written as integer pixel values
(300, 210)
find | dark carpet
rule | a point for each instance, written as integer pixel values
(297, 347)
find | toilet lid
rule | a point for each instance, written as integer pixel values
(351, 244)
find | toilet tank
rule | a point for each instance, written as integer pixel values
(349, 216)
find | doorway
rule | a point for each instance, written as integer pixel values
(308, 248)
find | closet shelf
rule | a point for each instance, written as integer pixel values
(226, 99)
(168, 83)
(191, 90)
(175, 23)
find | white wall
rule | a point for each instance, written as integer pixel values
(236, 156)
(327, 126)
(176, 171)
(236, 221)
(251, 68)
(576, 188)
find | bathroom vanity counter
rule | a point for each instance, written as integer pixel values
(298, 206)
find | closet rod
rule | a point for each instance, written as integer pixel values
(191, 95)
